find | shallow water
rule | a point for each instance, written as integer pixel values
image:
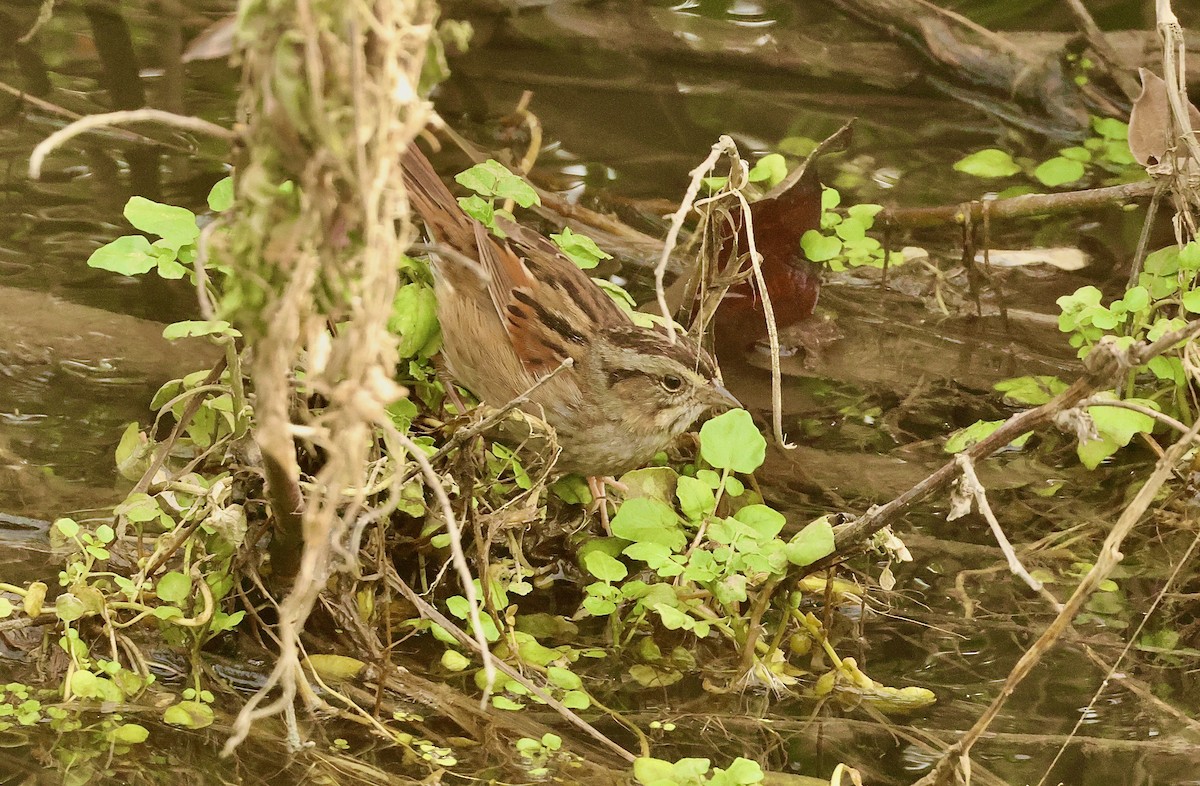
(80, 354)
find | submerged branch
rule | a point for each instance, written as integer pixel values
(1015, 207)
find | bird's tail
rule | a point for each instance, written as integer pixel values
(434, 203)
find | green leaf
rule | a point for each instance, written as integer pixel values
(598, 607)
(414, 320)
(174, 587)
(1136, 299)
(1163, 262)
(673, 618)
(129, 734)
(643, 520)
(505, 703)
(610, 546)
(771, 168)
(865, 212)
(453, 660)
(335, 668)
(68, 527)
(744, 772)
(798, 146)
(1116, 428)
(402, 412)
(492, 179)
(68, 608)
(1110, 128)
(1189, 256)
(1120, 424)
(576, 700)
(563, 678)
(654, 555)
(1082, 297)
(1117, 152)
(604, 567)
(483, 211)
(223, 622)
(652, 772)
(690, 769)
(818, 247)
(87, 685)
(695, 498)
(1028, 391)
(547, 626)
(189, 715)
(528, 745)
(1058, 171)
(766, 522)
(1095, 451)
(731, 590)
(1080, 154)
(732, 441)
(619, 296)
(572, 489)
(220, 198)
(133, 453)
(653, 482)
(175, 225)
(851, 229)
(811, 543)
(1105, 319)
(1191, 301)
(131, 255)
(988, 163)
(966, 437)
(581, 249)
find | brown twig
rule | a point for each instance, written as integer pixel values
(1106, 363)
(1016, 207)
(970, 487)
(956, 758)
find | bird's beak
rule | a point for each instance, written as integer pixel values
(722, 398)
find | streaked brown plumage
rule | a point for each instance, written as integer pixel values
(525, 309)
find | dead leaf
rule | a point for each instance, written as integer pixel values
(1150, 121)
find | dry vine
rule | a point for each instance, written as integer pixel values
(330, 99)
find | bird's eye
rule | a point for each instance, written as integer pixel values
(672, 383)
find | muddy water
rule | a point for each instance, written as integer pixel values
(870, 391)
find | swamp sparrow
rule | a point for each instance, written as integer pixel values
(516, 308)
